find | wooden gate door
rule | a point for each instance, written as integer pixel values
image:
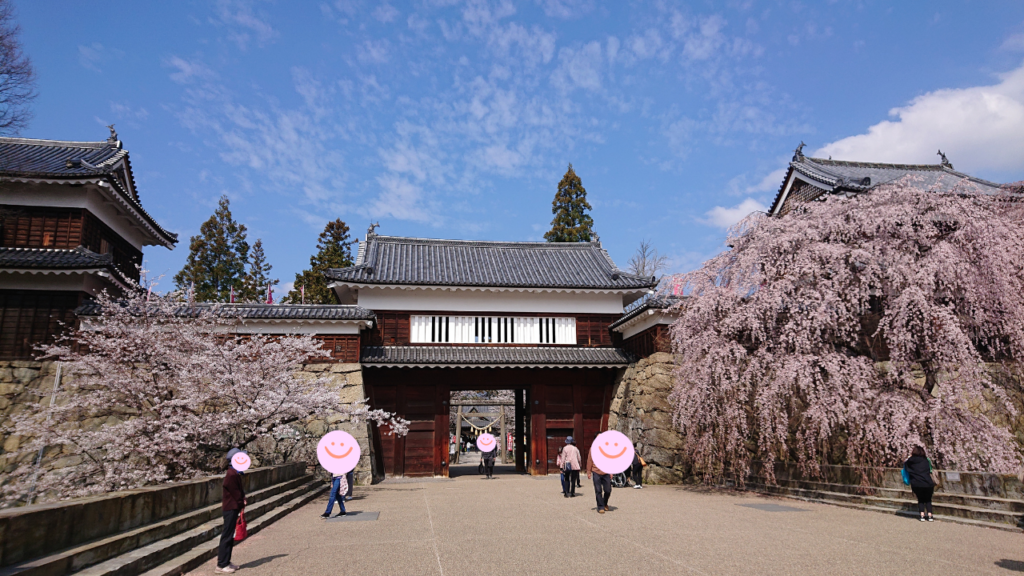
(424, 450)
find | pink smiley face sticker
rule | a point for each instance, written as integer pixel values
(338, 452)
(241, 462)
(612, 451)
(486, 442)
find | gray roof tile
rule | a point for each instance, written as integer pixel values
(64, 160)
(855, 177)
(419, 261)
(493, 356)
(644, 304)
(54, 258)
(266, 311)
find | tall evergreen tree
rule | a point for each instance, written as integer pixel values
(332, 251)
(571, 222)
(216, 258)
(256, 280)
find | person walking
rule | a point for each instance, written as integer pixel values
(576, 476)
(350, 478)
(638, 470)
(339, 486)
(572, 465)
(487, 459)
(922, 481)
(232, 504)
(562, 472)
(602, 485)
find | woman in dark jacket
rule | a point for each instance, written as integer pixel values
(919, 470)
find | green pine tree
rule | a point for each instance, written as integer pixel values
(216, 258)
(254, 284)
(332, 251)
(571, 222)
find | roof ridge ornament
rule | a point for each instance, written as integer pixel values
(944, 162)
(798, 154)
(370, 230)
(112, 140)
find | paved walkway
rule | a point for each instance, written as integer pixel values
(522, 525)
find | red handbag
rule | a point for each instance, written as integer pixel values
(240, 531)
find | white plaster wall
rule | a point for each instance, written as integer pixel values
(649, 319)
(449, 300)
(88, 197)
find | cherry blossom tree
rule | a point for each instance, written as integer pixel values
(159, 390)
(853, 329)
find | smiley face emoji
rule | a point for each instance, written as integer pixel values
(486, 442)
(338, 452)
(612, 451)
(241, 462)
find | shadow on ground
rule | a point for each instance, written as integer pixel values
(1015, 565)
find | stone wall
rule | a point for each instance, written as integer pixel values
(640, 410)
(21, 381)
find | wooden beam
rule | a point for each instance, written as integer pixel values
(483, 402)
(504, 439)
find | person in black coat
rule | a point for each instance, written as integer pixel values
(919, 470)
(232, 503)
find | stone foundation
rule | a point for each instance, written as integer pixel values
(640, 410)
(22, 382)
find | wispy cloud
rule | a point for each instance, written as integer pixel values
(244, 23)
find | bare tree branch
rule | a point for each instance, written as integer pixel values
(17, 78)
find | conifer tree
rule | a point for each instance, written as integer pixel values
(256, 280)
(216, 258)
(571, 222)
(332, 251)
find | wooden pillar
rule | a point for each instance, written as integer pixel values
(458, 434)
(441, 434)
(538, 431)
(504, 437)
(519, 431)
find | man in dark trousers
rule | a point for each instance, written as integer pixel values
(602, 484)
(232, 503)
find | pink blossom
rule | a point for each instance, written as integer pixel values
(853, 329)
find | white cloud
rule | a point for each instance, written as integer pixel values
(535, 46)
(399, 199)
(374, 52)
(579, 68)
(566, 8)
(187, 71)
(979, 128)
(96, 54)
(385, 13)
(723, 217)
(245, 24)
(707, 39)
(1014, 43)
(127, 112)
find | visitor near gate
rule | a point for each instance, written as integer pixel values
(638, 470)
(339, 487)
(571, 465)
(922, 481)
(602, 484)
(232, 503)
(488, 446)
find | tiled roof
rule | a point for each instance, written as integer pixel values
(54, 258)
(841, 175)
(420, 261)
(323, 312)
(63, 160)
(643, 305)
(493, 356)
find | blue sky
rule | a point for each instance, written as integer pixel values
(456, 119)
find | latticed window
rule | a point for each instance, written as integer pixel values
(492, 330)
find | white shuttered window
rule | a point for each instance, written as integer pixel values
(492, 330)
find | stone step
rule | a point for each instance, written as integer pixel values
(157, 553)
(1001, 519)
(904, 493)
(83, 555)
(204, 551)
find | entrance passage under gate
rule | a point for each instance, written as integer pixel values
(550, 405)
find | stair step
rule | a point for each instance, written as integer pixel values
(966, 514)
(146, 557)
(199, 554)
(84, 555)
(988, 502)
